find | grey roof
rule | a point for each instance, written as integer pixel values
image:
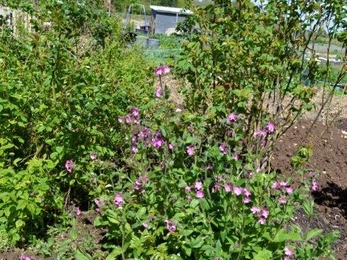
(172, 10)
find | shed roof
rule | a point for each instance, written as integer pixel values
(172, 10)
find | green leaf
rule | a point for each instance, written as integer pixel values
(128, 228)
(22, 204)
(263, 255)
(141, 212)
(267, 236)
(112, 217)
(32, 208)
(282, 235)
(116, 252)
(73, 234)
(307, 206)
(204, 204)
(80, 256)
(194, 203)
(188, 250)
(54, 155)
(313, 233)
(20, 223)
(98, 221)
(197, 243)
(187, 232)
(163, 132)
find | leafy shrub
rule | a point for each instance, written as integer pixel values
(63, 89)
(188, 190)
(168, 182)
(198, 184)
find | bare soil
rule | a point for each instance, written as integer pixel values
(328, 138)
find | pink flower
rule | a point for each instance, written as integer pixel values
(120, 119)
(170, 226)
(255, 210)
(238, 190)
(187, 188)
(128, 119)
(231, 118)
(198, 185)
(166, 69)
(247, 192)
(134, 149)
(216, 187)
(283, 184)
(276, 185)
(289, 254)
(144, 133)
(282, 200)
(135, 112)
(118, 200)
(97, 203)
(227, 187)
(171, 147)
(199, 194)
(78, 211)
(289, 189)
(158, 92)
(93, 156)
(246, 200)
(314, 186)
(223, 148)
(137, 121)
(190, 150)
(25, 257)
(138, 184)
(162, 70)
(270, 127)
(69, 165)
(264, 212)
(145, 225)
(236, 156)
(261, 221)
(261, 133)
(157, 142)
(261, 213)
(135, 138)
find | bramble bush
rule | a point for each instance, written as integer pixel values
(84, 124)
(62, 90)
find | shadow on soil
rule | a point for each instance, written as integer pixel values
(332, 196)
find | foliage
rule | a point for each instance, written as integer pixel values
(188, 191)
(169, 42)
(58, 85)
(198, 183)
(84, 126)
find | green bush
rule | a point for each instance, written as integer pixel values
(63, 89)
(83, 124)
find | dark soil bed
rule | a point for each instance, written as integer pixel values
(330, 160)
